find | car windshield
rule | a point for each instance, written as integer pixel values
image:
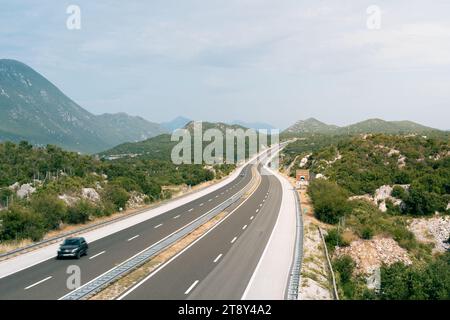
(71, 242)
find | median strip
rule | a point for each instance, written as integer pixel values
(147, 256)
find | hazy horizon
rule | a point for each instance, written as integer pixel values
(254, 61)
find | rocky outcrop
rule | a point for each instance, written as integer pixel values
(24, 190)
(136, 200)
(434, 230)
(90, 194)
(370, 255)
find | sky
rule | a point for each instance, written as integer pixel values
(274, 61)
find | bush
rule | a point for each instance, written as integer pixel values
(430, 282)
(399, 193)
(21, 223)
(117, 195)
(422, 202)
(367, 233)
(50, 208)
(79, 213)
(329, 200)
(334, 239)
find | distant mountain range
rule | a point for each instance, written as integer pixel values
(312, 125)
(159, 147)
(253, 125)
(177, 123)
(33, 109)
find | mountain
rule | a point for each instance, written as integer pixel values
(253, 125)
(177, 123)
(368, 126)
(311, 125)
(159, 147)
(382, 126)
(35, 110)
(123, 127)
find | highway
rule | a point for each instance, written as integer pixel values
(47, 280)
(220, 264)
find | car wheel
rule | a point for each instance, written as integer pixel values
(78, 254)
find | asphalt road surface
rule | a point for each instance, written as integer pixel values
(221, 263)
(47, 280)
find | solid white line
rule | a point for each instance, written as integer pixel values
(185, 249)
(234, 239)
(159, 225)
(39, 282)
(97, 255)
(244, 227)
(218, 257)
(132, 238)
(191, 287)
(251, 218)
(176, 217)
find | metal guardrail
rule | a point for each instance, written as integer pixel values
(90, 227)
(333, 277)
(142, 257)
(294, 277)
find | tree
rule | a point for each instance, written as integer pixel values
(21, 223)
(329, 200)
(117, 195)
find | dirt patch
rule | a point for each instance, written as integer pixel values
(369, 255)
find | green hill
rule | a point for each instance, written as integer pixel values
(35, 110)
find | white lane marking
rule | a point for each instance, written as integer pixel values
(159, 225)
(191, 209)
(201, 204)
(257, 210)
(179, 253)
(243, 228)
(132, 238)
(218, 257)
(95, 256)
(209, 200)
(251, 218)
(260, 205)
(217, 196)
(39, 282)
(234, 239)
(176, 217)
(191, 287)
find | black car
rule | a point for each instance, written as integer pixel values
(73, 247)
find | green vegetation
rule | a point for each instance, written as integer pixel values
(55, 172)
(417, 167)
(329, 200)
(423, 282)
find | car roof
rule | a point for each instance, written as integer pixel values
(75, 238)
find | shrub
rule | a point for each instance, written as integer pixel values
(21, 223)
(329, 200)
(367, 233)
(79, 213)
(334, 239)
(117, 195)
(50, 208)
(399, 192)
